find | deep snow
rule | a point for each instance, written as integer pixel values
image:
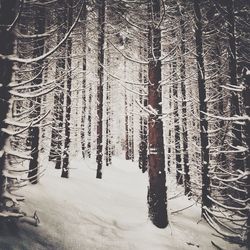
(85, 213)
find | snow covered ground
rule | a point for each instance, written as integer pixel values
(84, 213)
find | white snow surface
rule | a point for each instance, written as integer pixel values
(85, 213)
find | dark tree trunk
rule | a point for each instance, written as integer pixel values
(7, 15)
(89, 122)
(108, 155)
(34, 132)
(127, 148)
(235, 107)
(57, 126)
(131, 129)
(143, 121)
(101, 41)
(203, 107)
(157, 199)
(84, 43)
(65, 161)
(179, 177)
(187, 184)
(246, 101)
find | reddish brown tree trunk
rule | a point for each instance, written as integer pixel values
(157, 199)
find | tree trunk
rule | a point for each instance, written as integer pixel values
(89, 122)
(108, 113)
(101, 41)
(84, 46)
(203, 107)
(143, 121)
(36, 103)
(157, 199)
(65, 161)
(7, 15)
(187, 184)
(235, 107)
(179, 177)
(127, 146)
(246, 101)
(57, 126)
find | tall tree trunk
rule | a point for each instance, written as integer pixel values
(7, 38)
(108, 113)
(65, 162)
(89, 122)
(84, 46)
(246, 101)
(57, 126)
(127, 146)
(143, 121)
(36, 103)
(235, 107)
(179, 177)
(131, 139)
(203, 107)
(187, 184)
(101, 42)
(157, 199)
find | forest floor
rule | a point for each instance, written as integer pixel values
(85, 213)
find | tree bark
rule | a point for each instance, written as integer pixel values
(235, 107)
(84, 46)
(65, 162)
(7, 38)
(101, 40)
(34, 132)
(57, 126)
(157, 199)
(187, 184)
(203, 107)
(179, 177)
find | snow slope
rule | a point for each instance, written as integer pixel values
(84, 213)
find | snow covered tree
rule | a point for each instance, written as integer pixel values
(7, 39)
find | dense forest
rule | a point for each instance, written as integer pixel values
(163, 85)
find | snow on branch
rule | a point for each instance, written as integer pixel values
(30, 124)
(127, 57)
(233, 118)
(44, 56)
